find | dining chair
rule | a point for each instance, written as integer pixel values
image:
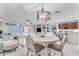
(58, 47)
(35, 48)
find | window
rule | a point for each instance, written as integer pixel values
(13, 28)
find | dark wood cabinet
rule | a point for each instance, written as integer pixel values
(71, 25)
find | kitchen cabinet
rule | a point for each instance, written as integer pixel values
(70, 25)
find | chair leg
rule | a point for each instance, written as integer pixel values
(4, 53)
(27, 52)
(38, 54)
(49, 53)
(15, 49)
(54, 53)
(61, 54)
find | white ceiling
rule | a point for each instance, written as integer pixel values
(19, 12)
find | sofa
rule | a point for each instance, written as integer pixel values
(8, 43)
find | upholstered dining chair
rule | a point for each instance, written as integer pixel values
(35, 48)
(58, 47)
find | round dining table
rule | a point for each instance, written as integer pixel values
(45, 40)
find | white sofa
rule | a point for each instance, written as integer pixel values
(8, 44)
(1, 48)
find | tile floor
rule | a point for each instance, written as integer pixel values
(69, 50)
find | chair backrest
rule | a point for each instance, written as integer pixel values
(63, 42)
(60, 37)
(29, 42)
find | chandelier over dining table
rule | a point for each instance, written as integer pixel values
(43, 15)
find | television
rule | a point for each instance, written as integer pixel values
(38, 29)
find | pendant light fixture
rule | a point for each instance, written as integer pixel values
(43, 15)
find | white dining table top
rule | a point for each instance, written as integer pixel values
(46, 39)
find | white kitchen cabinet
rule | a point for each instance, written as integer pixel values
(72, 38)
